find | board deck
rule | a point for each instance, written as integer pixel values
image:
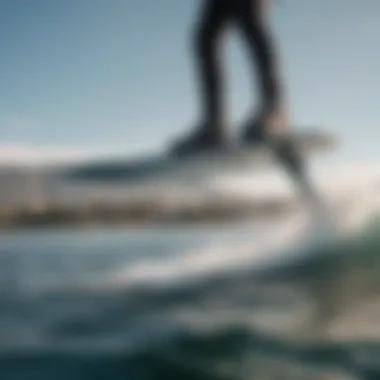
(161, 165)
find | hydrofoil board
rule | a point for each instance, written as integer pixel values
(161, 166)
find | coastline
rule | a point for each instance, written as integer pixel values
(139, 216)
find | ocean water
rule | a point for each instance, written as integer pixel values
(253, 300)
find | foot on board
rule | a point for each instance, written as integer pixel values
(266, 124)
(199, 140)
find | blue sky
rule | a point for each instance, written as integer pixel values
(118, 74)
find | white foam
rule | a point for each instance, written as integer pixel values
(218, 256)
(283, 235)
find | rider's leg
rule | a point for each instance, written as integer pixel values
(252, 20)
(214, 17)
(208, 32)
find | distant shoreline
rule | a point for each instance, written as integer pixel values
(139, 216)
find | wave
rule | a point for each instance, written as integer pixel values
(292, 306)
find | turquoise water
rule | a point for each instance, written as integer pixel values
(215, 302)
